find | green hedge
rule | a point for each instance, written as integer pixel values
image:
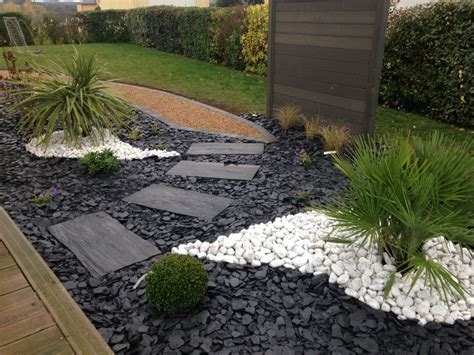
(24, 22)
(209, 34)
(105, 26)
(429, 62)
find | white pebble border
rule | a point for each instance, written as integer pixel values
(297, 242)
(123, 151)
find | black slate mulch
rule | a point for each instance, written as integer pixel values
(246, 310)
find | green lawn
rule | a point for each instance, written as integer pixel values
(216, 85)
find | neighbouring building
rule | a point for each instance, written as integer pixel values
(132, 4)
(399, 4)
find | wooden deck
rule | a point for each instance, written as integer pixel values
(37, 315)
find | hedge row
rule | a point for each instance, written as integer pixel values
(429, 62)
(24, 22)
(225, 36)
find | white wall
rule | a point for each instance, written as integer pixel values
(183, 3)
(409, 3)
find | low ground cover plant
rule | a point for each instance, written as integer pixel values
(403, 193)
(176, 283)
(303, 158)
(100, 162)
(46, 197)
(134, 134)
(69, 96)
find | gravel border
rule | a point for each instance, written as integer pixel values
(246, 310)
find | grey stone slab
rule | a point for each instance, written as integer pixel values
(214, 170)
(225, 148)
(189, 203)
(101, 243)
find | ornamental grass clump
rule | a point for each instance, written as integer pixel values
(311, 127)
(71, 98)
(334, 137)
(176, 283)
(288, 116)
(401, 195)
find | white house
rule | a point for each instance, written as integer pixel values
(400, 4)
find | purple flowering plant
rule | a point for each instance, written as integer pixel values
(303, 158)
(45, 197)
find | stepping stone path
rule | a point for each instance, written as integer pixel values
(225, 148)
(190, 203)
(214, 170)
(101, 243)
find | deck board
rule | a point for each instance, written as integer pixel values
(37, 315)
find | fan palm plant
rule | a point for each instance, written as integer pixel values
(72, 98)
(403, 194)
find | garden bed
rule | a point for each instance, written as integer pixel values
(246, 309)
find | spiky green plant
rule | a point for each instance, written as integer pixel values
(69, 97)
(403, 194)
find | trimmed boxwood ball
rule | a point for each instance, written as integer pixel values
(176, 283)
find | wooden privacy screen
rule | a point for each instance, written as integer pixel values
(325, 56)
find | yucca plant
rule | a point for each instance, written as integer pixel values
(71, 98)
(404, 193)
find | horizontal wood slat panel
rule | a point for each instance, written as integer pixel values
(346, 5)
(343, 55)
(325, 56)
(359, 17)
(321, 98)
(359, 43)
(356, 69)
(318, 86)
(354, 120)
(325, 29)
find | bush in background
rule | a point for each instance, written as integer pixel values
(429, 62)
(195, 35)
(23, 20)
(255, 39)
(227, 28)
(155, 27)
(105, 26)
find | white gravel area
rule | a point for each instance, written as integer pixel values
(298, 242)
(123, 151)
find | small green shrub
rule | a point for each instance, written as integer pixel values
(176, 283)
(70, 96)
(403, 194)
(304, 198)
(100, 162)
(161, 146)
(154, 128)
(303, 158)
(134, 134)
